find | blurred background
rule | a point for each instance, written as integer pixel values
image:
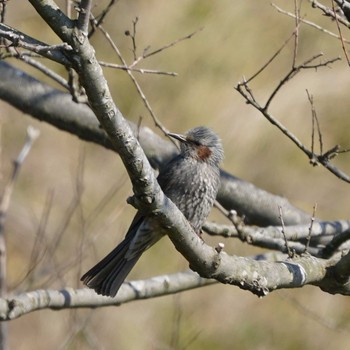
(69, 205)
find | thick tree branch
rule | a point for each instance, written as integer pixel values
(326, 238)
(15, 306)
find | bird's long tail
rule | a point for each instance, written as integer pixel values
(107, 276)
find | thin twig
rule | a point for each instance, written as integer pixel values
(296, 35)
(137, 85)
(314, 121)
(147, 54)
(238, 222)
(100, 18)
(133, 37)
(307, 64)
(44, 69)
(19, 39)
(309, 23)
(2, 11)
(289, 251)
(328, 12)
(307, 245)
(340, 34)
(244, 89)
(139, 70)
(270, 60)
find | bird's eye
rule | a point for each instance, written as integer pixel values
(195, 142)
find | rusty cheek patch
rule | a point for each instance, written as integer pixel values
(203, 152)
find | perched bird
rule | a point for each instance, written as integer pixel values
(191, 180)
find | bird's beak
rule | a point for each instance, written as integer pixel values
(179, 137)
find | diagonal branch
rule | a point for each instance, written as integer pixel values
(19, 39)
(84, 15)
(324, 158)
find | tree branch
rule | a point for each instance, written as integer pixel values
(19, 39)
(19, 305)
(16, 306)
(326, 238)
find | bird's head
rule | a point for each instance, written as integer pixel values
(202, 144)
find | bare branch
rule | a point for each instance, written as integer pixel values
(56, 19)
(314, 119)
(101, 17)
(340, 35)
(322, 238)
(16, 306)
(328, 12)
(19, 39)
(324, 158)
(173, 43)
(139, 70)
(42, 68)
(309, 23)
(84, 15)
(307, 64)
(137, 85)
(2, 11)
(246, 81)
(307, 245)
(289, 250)
(296, 32)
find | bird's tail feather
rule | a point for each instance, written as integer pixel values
(108, 275)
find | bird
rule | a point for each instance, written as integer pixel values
(191, 181)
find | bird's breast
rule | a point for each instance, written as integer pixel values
(195, 192)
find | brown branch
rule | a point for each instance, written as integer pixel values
(324, 158)
(270, 60)
(156, 120)
(309, 23)
(328, 12)
(147, 54)
(290, 252)
(340, 35)
(314, 120)
(139, 70)
(101, 17)
(296, 31)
